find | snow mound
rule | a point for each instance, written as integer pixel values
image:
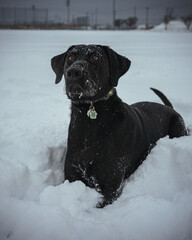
(176, 26)
(75, 197)
(155, 203)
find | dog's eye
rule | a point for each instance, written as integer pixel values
(70, 58)
(95, 57)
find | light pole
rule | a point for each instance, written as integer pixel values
(135, 10)
(68, 11)
(87, 18)
(96, 13)
(114, 13)
(147, 18)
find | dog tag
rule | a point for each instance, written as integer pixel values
(92, 113)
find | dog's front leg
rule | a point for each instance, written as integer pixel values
(71, 172)
(111, 189)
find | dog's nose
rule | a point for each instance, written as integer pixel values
(74, 73)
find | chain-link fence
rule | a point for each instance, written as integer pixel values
(23, 15)
(59, 17)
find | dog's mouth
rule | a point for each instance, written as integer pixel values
(86, 91)
(75, 95)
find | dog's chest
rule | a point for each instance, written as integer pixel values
(83, 158)
(87, 141)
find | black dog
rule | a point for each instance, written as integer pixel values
(107, 138)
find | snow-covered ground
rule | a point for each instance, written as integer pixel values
(156, 203)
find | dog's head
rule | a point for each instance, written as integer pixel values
(90, 71)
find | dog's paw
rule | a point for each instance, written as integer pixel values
(103, 202)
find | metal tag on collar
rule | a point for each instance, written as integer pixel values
(91, 112)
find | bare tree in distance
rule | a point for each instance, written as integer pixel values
(118, 23)
(187, 21)
(168, 16)
(131, 22)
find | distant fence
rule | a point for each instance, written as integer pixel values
(152, 15)
(40, 18)
(23, 15)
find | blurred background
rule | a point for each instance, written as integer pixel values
(93, 14)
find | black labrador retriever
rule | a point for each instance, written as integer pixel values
(107, 138)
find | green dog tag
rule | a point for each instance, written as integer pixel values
(92, 113)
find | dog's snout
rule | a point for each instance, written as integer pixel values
(75, 73)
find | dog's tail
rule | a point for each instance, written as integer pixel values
(163, 97)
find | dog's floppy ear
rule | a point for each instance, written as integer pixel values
(57, 64)
(118, 65)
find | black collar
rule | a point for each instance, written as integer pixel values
(109, 94)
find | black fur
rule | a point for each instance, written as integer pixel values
(104, 152)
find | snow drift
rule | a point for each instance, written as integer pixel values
(34, 201)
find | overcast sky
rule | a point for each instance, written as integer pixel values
(57, 10)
